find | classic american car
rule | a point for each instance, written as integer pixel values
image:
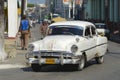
(67, 43)
(102, 29)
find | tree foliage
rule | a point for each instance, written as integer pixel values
(30, 5)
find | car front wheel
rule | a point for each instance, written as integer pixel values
(81, 64)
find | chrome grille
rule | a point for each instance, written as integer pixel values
(54, 54)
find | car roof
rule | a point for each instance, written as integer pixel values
(75, 23)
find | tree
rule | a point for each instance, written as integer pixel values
(3, 55)
(30, 5)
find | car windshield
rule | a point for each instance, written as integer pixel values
(101, 26)
(66, 30)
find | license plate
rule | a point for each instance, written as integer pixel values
(50, 61)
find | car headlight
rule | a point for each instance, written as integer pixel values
(74, 48)
(31, 47)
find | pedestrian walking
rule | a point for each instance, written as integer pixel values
(25, 32)
(33, 22)
(117, 31)
(43, 28)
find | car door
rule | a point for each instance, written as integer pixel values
(94, 37)
(90, 43)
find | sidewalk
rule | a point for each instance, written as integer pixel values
(16, 56)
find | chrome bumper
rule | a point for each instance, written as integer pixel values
(52, 58)
(56, 61)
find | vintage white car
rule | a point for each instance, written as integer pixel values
(68, 42)
(103, 29)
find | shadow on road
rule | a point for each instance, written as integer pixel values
(114, 54)
(118, 53)
(50, 68)
(59, 68)
(27, 69)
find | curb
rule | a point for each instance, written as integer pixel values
(11, 66)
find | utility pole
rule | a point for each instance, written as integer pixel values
(106, 11)
(3, 55)
(70, 7)
(73, 9)
(82, 17)
(52, 7)
(22, 8)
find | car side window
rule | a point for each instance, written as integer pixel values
(87, 31)
(93, 30)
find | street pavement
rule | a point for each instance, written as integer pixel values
(109, 70)
(115, 38)
(19, 59)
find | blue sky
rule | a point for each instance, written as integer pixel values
(36, 1)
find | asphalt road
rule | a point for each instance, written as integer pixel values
(109, 70)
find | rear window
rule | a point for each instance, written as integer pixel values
(103, 26)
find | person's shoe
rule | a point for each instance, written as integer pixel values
(22, 48)
(25, 49)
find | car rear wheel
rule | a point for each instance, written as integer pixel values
(36, 67)
(81, 64)
(99, 60)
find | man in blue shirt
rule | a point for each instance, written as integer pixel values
(25, 32)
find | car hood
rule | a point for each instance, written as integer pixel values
(56, 43)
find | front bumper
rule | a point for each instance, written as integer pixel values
(52, 58)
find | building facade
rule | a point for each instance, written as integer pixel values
(106, 10)
(40, 11)
(66, 8)
(57, 7)
(114, 10)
